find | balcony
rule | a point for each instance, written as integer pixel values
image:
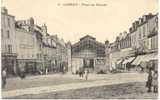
(9, 54)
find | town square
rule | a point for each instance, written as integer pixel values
(65, 55)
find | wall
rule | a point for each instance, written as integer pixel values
(7, 25)
(26, 47)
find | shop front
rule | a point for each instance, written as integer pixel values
(29, 66)
(146, 60)
(9, 62)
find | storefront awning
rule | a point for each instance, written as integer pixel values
(128, 60)
(119, 61)
(145, 58)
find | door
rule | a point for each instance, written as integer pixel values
(91, 63)
(88, 63)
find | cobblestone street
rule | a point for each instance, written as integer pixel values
(40, 86)
(134, 90)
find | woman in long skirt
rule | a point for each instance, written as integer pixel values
(86, 72)
(155, 82)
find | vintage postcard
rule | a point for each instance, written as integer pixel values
(79, 49)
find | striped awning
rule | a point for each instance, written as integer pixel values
(145, 58)
(130, 59)
(119, 61)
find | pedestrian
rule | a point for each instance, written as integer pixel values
(4, 76)
(86, 72)
(149, 81)
(40, 71)
(80, 72)
(155, 82)
(46, 71)
(22, 73)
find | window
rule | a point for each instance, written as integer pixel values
(139, 33)
(9, 48)
(6, 48)
(22, 56)
(2, 33)
(8, 34)
(144, 31)
(8, 22)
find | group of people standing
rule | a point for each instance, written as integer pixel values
(152, 82)
(85, 73)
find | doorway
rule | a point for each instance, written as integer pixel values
(88, 63)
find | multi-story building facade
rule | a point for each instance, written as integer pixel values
(49, 53)
(120, 51)
(69, 57)
(134, 35)
(147, 36)
(139, 46)
(8, 39)
(62, 56)
(27, 46)
(26, 43)
(39, 47)
(139, 33)
(153, 34)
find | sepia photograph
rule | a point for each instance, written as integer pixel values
(79, 49)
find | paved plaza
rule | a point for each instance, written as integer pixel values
(39, 86)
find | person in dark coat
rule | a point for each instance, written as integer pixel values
(155, 82)
(149, 81)
(4, 76)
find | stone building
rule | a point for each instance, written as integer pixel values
(49, 54)
(121, 53)
(134, 35)
(30, 47)
(88, 53)
(8, 39)
(62, 57)
(26, 45)
(153, 34)
(69, 57)
(113, 52)
(139, 33)
(39, 47)
(48, 50)
(138, 47)
(148, 41)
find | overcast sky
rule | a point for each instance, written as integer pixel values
(74, 22)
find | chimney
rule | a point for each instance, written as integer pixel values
(150, 14)
(4, 10)
(134, 25)
(44, 28)
(144, 18)
(141, 20)
(137, 23)
(106, 42)
(130, 29)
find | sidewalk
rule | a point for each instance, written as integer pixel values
(111, 80)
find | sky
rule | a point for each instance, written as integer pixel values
(73, 22)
